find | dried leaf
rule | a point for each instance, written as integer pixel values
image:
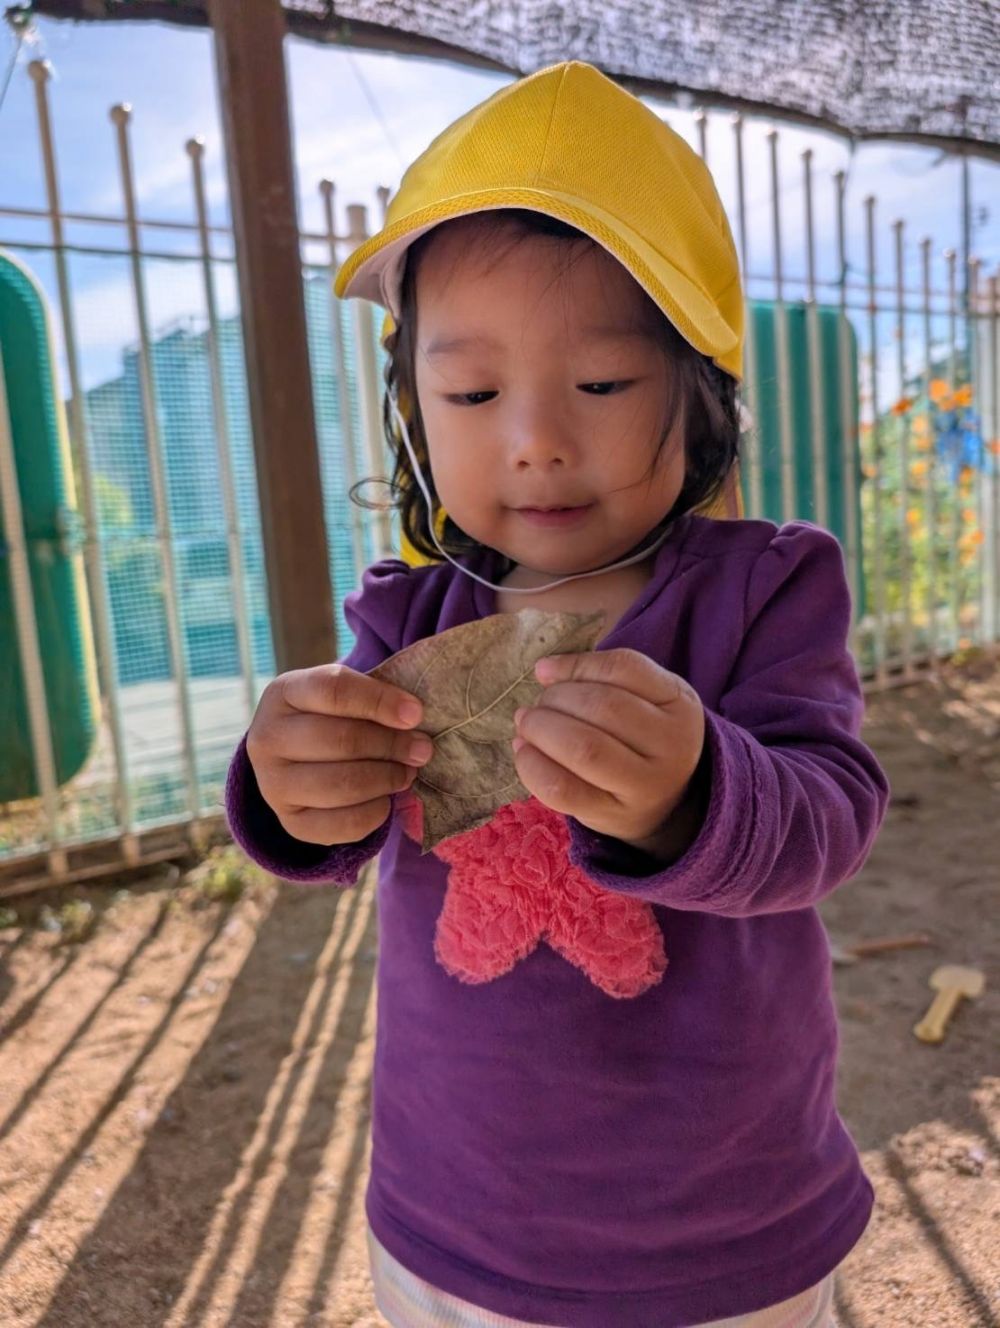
(471, 679)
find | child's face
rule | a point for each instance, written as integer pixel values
(567, 399)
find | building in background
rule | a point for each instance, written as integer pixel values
(181, 370)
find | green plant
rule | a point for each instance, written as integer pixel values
(74, 920)
(224, 876)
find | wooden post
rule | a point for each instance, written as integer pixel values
(250, 66)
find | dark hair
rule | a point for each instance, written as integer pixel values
(706, 394)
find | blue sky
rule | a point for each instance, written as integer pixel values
(167, 75)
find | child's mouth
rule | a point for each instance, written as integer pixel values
(554, 516)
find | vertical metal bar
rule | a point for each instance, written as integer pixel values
(994, 449)
(881, 672)
(966, 224)
(26, 624)
(326, 189)
(93, 552)
(979, 495)
(930, 490)
(371, 414)
(237, 568)
(120, 116)
(752, 443)
(817, 411)
(905, 545)
(852, 478)
(384, 194)
(701, 123)
(788, 494)
(956, 516)
(736, 120)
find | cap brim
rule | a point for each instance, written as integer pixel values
(374, 271)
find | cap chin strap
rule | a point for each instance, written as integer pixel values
(510, 590)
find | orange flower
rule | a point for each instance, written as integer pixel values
(922, 444)
(963, 397)
(918, 469)
(969, 514)
(937, 388)
(902, 405)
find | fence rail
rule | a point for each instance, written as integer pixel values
(162, 463)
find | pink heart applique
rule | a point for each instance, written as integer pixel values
(511, 885)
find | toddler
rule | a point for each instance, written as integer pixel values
(606, 1047)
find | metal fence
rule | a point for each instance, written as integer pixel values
(169, 531)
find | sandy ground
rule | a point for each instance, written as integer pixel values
(184, 1094)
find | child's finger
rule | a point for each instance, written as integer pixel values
(593, 756)
(329, 785)
(560, 789)
(334, 689)
(312, 737)
(344, 825)
(635, 722)
(630, 669)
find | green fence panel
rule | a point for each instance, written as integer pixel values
(830, 320)
(52, 531)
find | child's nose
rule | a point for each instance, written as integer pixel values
(539, 438)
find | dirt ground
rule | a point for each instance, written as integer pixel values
(184, 1093)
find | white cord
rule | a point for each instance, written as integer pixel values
(512, 590)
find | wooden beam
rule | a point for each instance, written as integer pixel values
(253, 95)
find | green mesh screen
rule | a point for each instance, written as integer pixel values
(132, 551)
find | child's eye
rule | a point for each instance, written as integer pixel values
(465, 398)
(600, 389)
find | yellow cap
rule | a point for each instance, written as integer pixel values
(568, 141)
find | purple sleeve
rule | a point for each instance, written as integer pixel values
(795, 798)
(376, 615)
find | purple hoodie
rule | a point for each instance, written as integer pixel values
(555, 1154)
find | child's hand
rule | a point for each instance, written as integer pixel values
(613, 740)
(328, 746)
